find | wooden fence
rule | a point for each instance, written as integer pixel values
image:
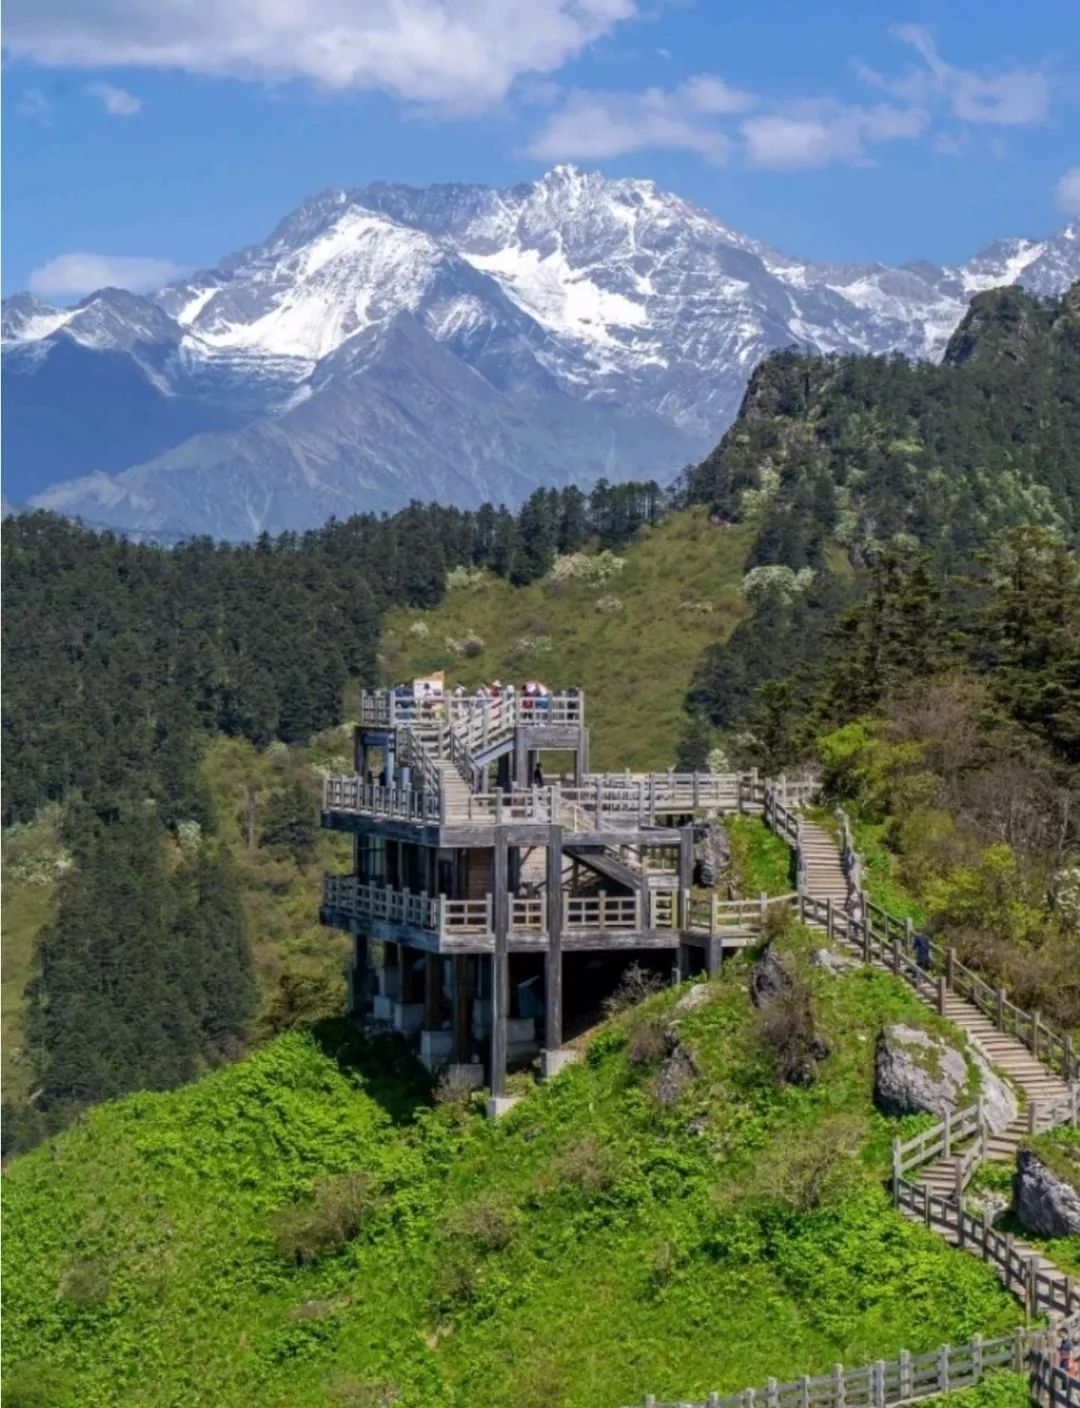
(905, 1379)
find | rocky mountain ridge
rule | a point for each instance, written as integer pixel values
(456, 342)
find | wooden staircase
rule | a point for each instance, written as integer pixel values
(823, 878)
(823, 871)
(454, 789)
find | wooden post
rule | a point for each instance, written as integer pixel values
(958, 1190)
(947, 1151)
(500, 963)
(772, 1396)
(828, 917)
(976, 1358)
(896, 1173)
(943, 1369)
(763, 909)
(905, 1374)
(838, 1386)
(1031, 1271)
(553, 1023)
(896, 955)
(1032, 1117)
(950, 968)
(879, 1384)
(941, 989)
(1035, 1023)
(1001, 1009)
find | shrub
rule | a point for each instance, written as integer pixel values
(647, 1039)
(779, 922)
(586, 1165)
(86, 1281)
(328, 1220)
(420, 630)
(485, 1223)
(816, 1168)
(635, 985)
(610, 605)
(788, 1036)
(580, 566)
(472, 645)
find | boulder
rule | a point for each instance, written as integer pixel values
(835, 963)
(695, 998)
(712, 853)
(1000, 1105)
(768, 978)
(916, 1073)
(1044, 1203)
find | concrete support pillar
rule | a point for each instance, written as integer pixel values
(553, 993)
(462, 1005)
(432, 995)
(714, 956)
(500, 963)
(360, 979)
(522, 778)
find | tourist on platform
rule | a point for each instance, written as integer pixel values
(538, 775)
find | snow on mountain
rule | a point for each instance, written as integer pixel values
(457, 341)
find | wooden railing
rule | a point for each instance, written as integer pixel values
(712, 915)
(351, 794)
(528, 913)
(1048, 1292)
(905, 1379)
(384, 708)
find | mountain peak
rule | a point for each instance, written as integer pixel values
(568, 326)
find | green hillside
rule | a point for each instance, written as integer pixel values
(303, 1229)
(630, 638)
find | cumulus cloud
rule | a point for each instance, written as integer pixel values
(117, 102)
(594, 125)
(76, 274)
(1067, 191)
(461, 53)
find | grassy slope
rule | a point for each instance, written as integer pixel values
(637, 1247)
(634, 665)
(27, 907)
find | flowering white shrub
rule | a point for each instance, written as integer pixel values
(774, 579)
(586, 567)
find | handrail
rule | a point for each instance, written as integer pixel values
(438, 914)
(905, 1379)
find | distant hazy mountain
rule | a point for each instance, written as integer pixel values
(456, 343)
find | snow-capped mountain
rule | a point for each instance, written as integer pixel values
(455, 342)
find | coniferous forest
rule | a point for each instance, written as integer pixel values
(121, 660)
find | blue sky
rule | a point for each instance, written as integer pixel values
(147, 136)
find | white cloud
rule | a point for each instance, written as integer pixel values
(458, 53)
(118, 102)
(594, 125)
(76, 274)
(1016, 98)
(1067, 191)
(803, 135)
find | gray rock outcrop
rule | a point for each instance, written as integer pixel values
(677, 1072)
(1044, 1202)
(1000, 1105)
(916, 1073)
(712, 853)
(697, 997)
(835, 963)
(768, 978)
